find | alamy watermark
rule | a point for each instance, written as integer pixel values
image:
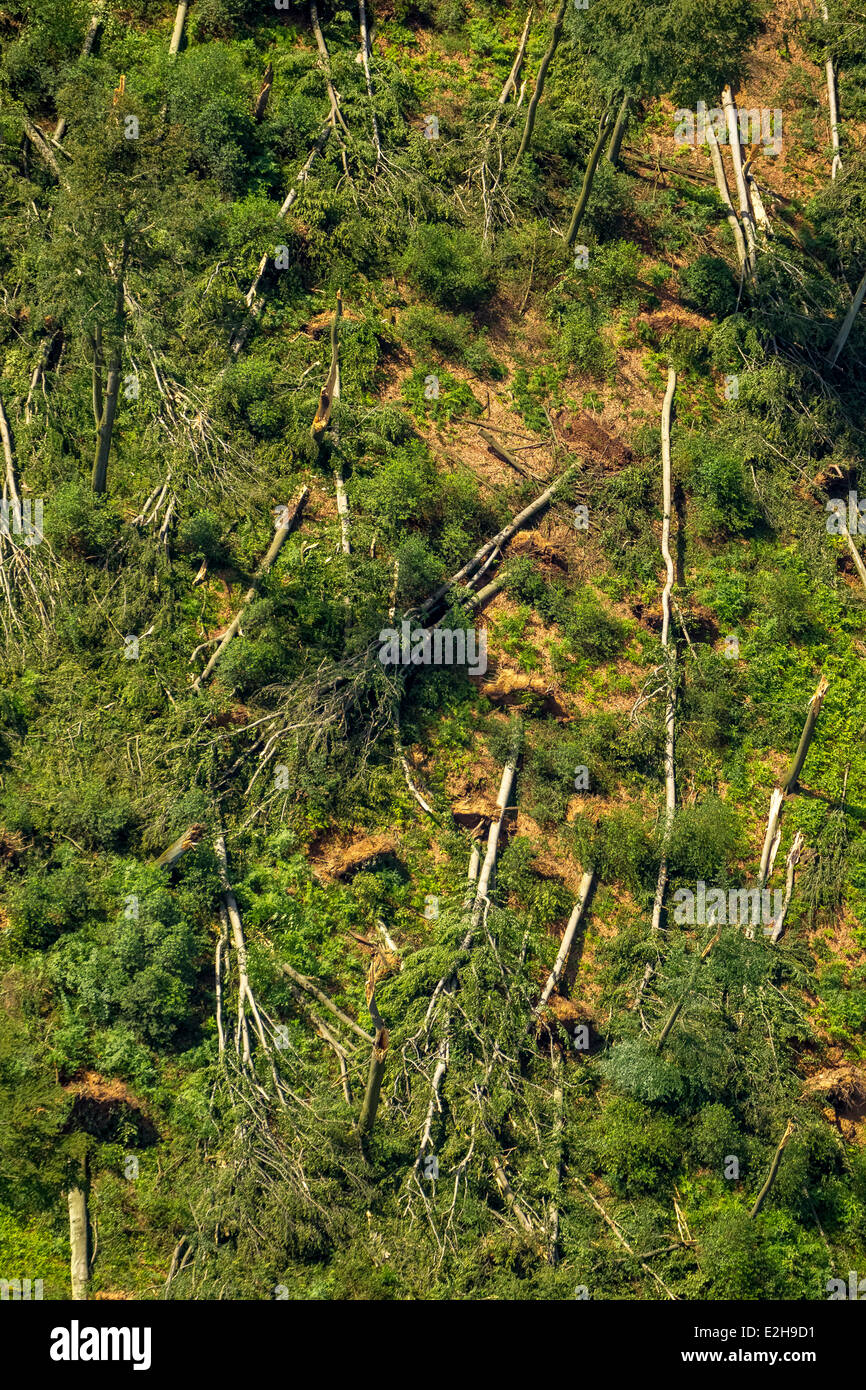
(737, 907)
(443, 646)
(756, 127)
(22, 519)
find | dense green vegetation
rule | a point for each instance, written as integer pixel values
(168, 337)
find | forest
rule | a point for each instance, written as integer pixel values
(432, 650)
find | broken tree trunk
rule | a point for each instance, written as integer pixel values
(690, 984)
(619, 130)
(739, 177)
(263, 97)
(780, 794)
(484, 878)
(791, 862)
(12, 492)
(774, 1168)
(331, 389)
(276, 545)
(376, 1069)
(86, 49)
(177, 32)
(514, 76)
(254, 298)
(78, 1242)
(856, 557)
(365, 59)
(832, 102)
(670, 655)
(725, 195)
(595, 156)
(491, 548)
(587, 883)
(529, 124)
(847, 323)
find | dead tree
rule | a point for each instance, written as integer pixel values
(263, 97)
(689, 986)
(587, 884)
(365, 60)
(589, 175)
(529, 124)
(670, 656)
(847, 323)
(86, 50)
(378, 1053)
(725, 195)
(79, 1242)
(780, 794)
(254, 298)
(105, 397)
(283, 531)
(774, 1168)
(619, 129)
(739, 177)
(12, 492)
(177, 32)
(832, 102)
(329, 394)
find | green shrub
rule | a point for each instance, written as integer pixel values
(708, 285)
(449, 266)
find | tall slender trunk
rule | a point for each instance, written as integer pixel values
(177, 32)
(619, 129)
(105, 425)
(774, 1168)
(780, 794)
(739, 176)
(669, 652)
(725, 195)
(78, 1242)
(529, 124)
(847, 323)
(832, 102)
(580, 209)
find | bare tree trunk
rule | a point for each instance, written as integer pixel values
(856, 557)
(78, 1242)
(105, 424)
(774, 1168)
(221, 949)
(739, 177)
(832, 103)
(514, 75)
(587, 883)
(376, 1070)
(263, 97)
(669, 652)
(87, 48)
(847, 324)
(580, 209)
(276, 545)
(690, 984)
(780, 794)
(492, 547)
(365, 59)
(792, 862)
(619, 130)
(254, 297)
(529, 124)
(489, 864)
(9, 457)
(177, 32)
(725, 195)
